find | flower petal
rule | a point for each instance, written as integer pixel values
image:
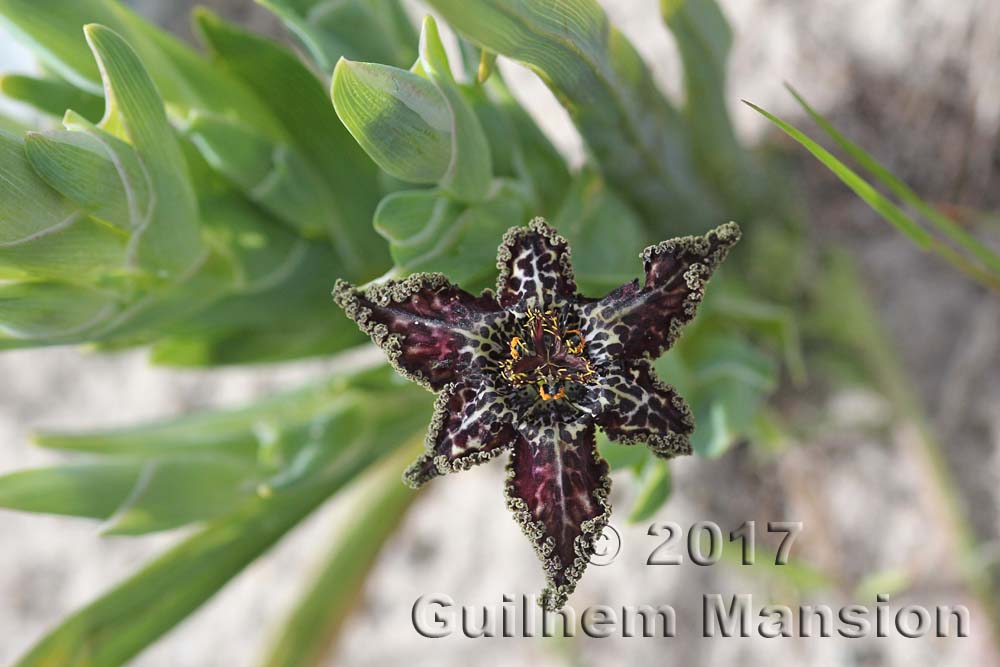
(557, 488)
(631, 322)
(534, 265)
(641, 408)
(472, 424)
(432, 331)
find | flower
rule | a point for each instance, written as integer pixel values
(535, 368)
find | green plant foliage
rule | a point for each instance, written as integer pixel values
(204, 205)
(376, 30)
(427, 230)
(54, 31)
(296, 96)
(251, 473)
(317, 619)
(971, 256)
(637, 136)
(52, 96)
(654, 490)
(416, 126)
(398, 117)
(704, 40)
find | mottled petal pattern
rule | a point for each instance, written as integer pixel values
(642, 409)
(472, 424)
(535, 369)
(557, 488)
(535, 268)
(431, 330)
(633, 322)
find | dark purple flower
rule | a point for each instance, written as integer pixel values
(536, 368)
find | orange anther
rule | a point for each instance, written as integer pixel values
(546, 396)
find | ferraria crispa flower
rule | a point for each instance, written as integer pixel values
(535, 368)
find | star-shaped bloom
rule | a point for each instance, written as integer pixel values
(535, 368)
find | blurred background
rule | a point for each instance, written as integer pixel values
(917, 82)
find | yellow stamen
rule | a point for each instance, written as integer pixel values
(574, 349)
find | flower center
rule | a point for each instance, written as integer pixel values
(546, 356)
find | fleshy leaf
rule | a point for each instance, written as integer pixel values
(296, 96)
(469, 172)
(170, 243)
(369, 30)
(101, 174)
(603, 253)
(52, 311)
(332, 596)
(93, 490)
(638, 138)
(398, 118)
(44, 236)
(273, 174)
(185, 80)
(51, 96)
(557, 488)
(429, 231)
(704, 40)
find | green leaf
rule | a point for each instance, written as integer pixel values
(108, 183)
(892, 213)
(318, 619)
(51, 96)
(604, 254)
(638, 138)
(943, 223)
(870, 195)
(276, 324)
(53, 31)
(654, 490)
(469, 173)
(369, 30)
(173, 493)
(731, 380)
(621, 457)
(515, 137)
(120, 624)
(117, 626)
(42, 235)
(397, 117)
(429, 231)
(169, 244)
(261, 252)
(274, 175)
(52, 311)
(294, 94)
(93, 490)
(257, 431)
(704, 40)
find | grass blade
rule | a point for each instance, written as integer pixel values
(944, 224)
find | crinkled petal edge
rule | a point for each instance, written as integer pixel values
(345, 295)
(554, 597)
(697, 275)
(537, 225)
(412, 476)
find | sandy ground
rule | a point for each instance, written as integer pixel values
(918, 82)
